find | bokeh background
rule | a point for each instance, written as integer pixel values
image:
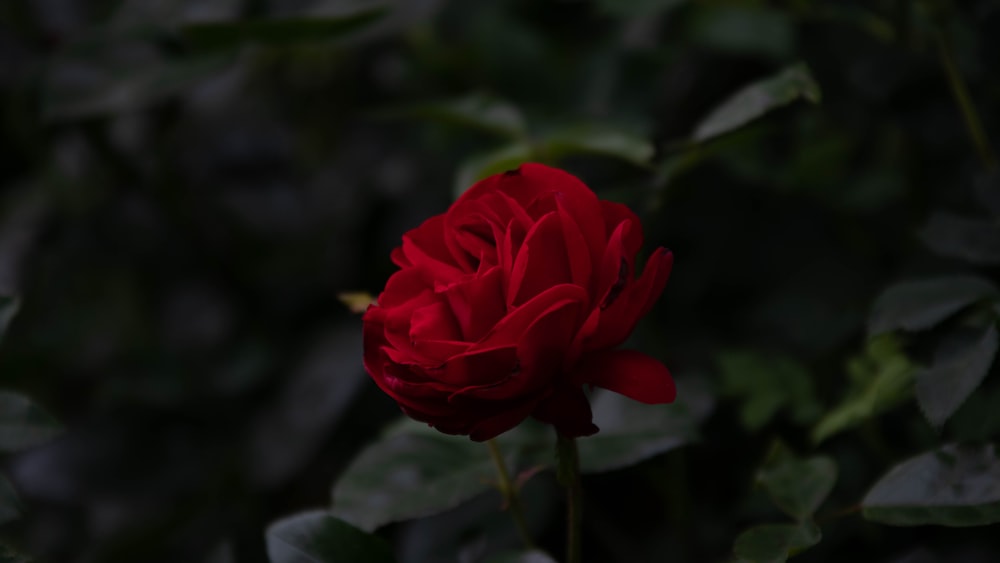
(185, 194)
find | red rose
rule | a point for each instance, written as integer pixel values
(510, 302)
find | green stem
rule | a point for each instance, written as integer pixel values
(964, 100)
(510, 495)
(569, 476)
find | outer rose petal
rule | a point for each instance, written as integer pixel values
(493, 426)
(425, 248)
(615, 214)
(630, 373)
(636, 299)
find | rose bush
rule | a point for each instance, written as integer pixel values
(509, 303)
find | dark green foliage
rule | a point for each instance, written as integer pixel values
(316, 537)
(944, 385)
(775, 543)
(951, 486)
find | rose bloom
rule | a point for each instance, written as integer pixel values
(509, 303)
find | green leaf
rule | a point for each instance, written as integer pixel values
(973, 240)
(317, 537)
(879, 380)
(919, 305)
(409, 476)
(415, 472)
(110, 89)
(477, 111)
(768, 384)
(953, 486)
(757, 99)
(950, 380)
(10, 506)
(8, 308)
(227, 35)
(533, 556)
(797, 486)
(482, 166)
(631, 431)
(775, 543)
(598, 140)
(23, 424)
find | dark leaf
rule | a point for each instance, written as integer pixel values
(476, 111)
(225, 35)
(602, 141)
(775, 543)
(947, 383)
(631, 431)
(768, 384)
(879, 380)
(919, 305)
(23, 424)
(973, 240)
(416, 471)
(317, 537)
(798, 486)
(757, 99)
(953, 486)
(501, 160)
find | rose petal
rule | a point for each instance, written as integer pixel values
(511, 328)
(577, 252)
(426, 248)
(538, 359)
(616, 268)
(480, 368)
(636, 298)
(614, 215)
(412, 388)
(477, 303)
(402, 287)
(541, 263)
(530, 181)
(434, 322)
(630, 373)
(491, 427)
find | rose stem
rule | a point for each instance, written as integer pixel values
(569, 476)
(510, 494)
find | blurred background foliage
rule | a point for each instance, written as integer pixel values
(187, 185)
